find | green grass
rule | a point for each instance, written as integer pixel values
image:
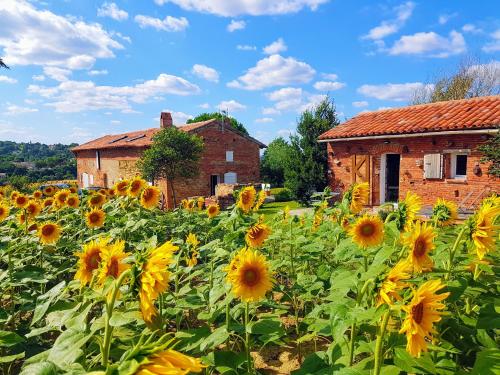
(271, 209)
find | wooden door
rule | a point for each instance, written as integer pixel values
(361, 168)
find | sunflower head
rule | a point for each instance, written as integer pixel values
(135, 187)
(89, 259)
(484, 231)
(73, 201)
(368, 230)
(95, 218)
(96, 200)
(33, 208)
(192, 240)
(49, 191)
(213, 210)
(200, 202)
(444, 212)
(407, 210)
(190, 204)
(150, 197)
(49, 233)
(48, 202)
(420, 242)
(394, 282)
(357, 196)
(14, 195)
(20, 200)
(421, 314)
(112, 261)
(61, 196)
(246, 199)
(257, 234)
(37, 194)
(249, 275)
(170, 362)
(4, 211)
(73, 189)
(261, 197)
(121, 188)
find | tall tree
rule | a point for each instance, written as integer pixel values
(173, 154)
(274, 160)
(470, 79)
(307, 167)
(491, 152)
(220, 116)
(2, 64)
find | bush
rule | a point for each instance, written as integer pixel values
(284, 195)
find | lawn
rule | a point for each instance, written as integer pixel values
(271, 209)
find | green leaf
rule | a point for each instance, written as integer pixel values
(489, 317)
(66, 349)
(119, 318)
(487, 362)
(11, 358)
(406, 362)
(313, 364)
(266, 327)
(9, 339)
(40, 368)
(217, 337)
(45, 301)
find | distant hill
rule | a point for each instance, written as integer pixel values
(36, 161)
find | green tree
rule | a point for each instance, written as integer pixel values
(220, 116)
(173, 154)
(307, 167)
(491, 151)
(274, 161)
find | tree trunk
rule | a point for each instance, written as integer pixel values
(171, 183)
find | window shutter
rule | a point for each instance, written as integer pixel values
(433, 166)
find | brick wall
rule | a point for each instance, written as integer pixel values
(120, 163)
(411, 178)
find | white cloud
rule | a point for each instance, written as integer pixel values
(493, 46)
(169, 23)
(328, 85)
(286, 99)
(231, 106)
(178, 118)
(285, 132)
(246, 47)
(386, 28)
(112, 10)
(444, 18)
(471, 28)
(429, 44)
(274, 70)
(6, 79)
(330, 76)
(275, 47)
(78, 96)
(115, 122)
(398, 92)
(79, 135)
(14, 110)
(264, 120)
(204, 105)
(39, 37)
(270, 111)
(360, 104)
(236, 25)
(312, 101)
(205, 72)
(233, 8)
(39, 77)
(19, 133)
(98, 72)
(57, 74)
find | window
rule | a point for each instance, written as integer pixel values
(230, 178)
(458, 165)
(229, 155)
(98, 159)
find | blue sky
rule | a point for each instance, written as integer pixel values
(84, 68)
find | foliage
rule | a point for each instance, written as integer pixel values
(173, 154)
(491, 151)
(470, 79)
(307, 167)
(220, 116)
(284, 195)
(37, 161)
(324, 313)
(274, 162)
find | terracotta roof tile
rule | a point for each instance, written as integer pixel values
(476, 113)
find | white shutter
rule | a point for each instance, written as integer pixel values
(433, 166)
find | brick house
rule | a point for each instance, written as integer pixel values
(229, 156)
(430, 149)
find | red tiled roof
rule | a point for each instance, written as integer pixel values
(466, 114)
(140, 138)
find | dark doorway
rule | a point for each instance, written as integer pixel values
(392, 178)
(214, 180)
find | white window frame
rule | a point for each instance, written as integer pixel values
(230, 156)
(453, 165)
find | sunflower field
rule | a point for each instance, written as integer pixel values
(107, 283)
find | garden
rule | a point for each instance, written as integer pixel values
(107, 283)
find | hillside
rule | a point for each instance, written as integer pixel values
(36, 161)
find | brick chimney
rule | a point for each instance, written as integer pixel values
(166, 120)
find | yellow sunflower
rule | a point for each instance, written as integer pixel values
(21, 217)
(33, 208)
(112, 264)
(420, 242)
(484, 232)
(154, 279)
(213, 210)
(21, 200)
(89, 259)
(318, 219)
(95, 218)
(261, 197)
(61, 196)
(409, 208)
(73, 201)
(200, 202)
(48, 202)
(121, 188)
(192, 240)
(368, 230)
(73, 189)
(170, 362)
(37, 194)
(257, 234)
(49, 233)
(250, 276)
(422, 313)
(359, 196)
(190, 204)
(135, 187)
(444, 212)
(4, 211)
(96, 200)
(14, 195)
(150, 197)
(393, 283)
(246, 199)
(49, 191)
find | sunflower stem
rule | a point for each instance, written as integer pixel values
(379, 345)
(351, 343)
(247, 339)
(453, 251)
